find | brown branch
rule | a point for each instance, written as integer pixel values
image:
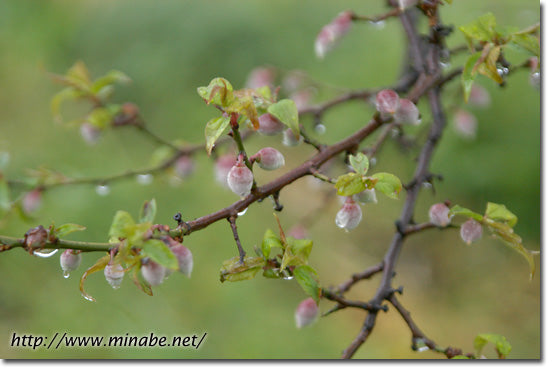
(366, 274)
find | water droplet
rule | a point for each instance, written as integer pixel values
(144, 179)
(66, 274)
(503, 71)
(242, 212)
(427, 185)
(378, 25)
(320, 129)
(372, 161)
(45, 253)
(423, 348)
(89, 298)
(444, 65)
(116, 287)
(102, 190)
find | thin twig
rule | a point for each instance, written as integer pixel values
(233, 225)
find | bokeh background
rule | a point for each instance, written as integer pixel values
(169, 48)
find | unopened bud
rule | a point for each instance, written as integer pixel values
(407, 113)
(387, 103)
(302, 98)
(269, 158)
(240, 178)
(306, 313)
(439, 215)
(70, 260)
(260, 77)
(289, 139)
(90, 133)
(36, 238)
(184, 166)
(349, 216)
(222, 168)
(184, 258)
(332, 33)
(471, 231)
(153, 273)
(298, 232)
(114, 274)
(366, 196)
(465, 124)
(269, 125)
(479, 97)
(32, 201)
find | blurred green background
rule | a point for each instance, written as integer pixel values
(169, 48)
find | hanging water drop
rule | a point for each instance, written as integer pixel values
(102, 190)
(320, 129)
(444, 65)
(144, 179)
(242, 212)
(45, 253)
(378, 25)
(66, 274)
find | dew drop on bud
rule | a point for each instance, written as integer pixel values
(70, 260)
(349, 216)
(366, 196)
(102, 190)
(439, 215)
(289, 139)
(243, 212)
(269, 125)
(307, 313)
(471, 231)
(144, 179)
(378, 25)
(114, 274)
(269, 158)
(240, 178)
(45, 253)
(153, 273)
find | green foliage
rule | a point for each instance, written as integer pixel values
(387, 183)
(503, 347)
(233, 271)
(160, 253)
(214, 129)
(353, 183)
(307, 279)
(286, 112)
(148, 211)
(67, 228)
(219, 92)
(269, 242)
(350, 184)
(360, 163)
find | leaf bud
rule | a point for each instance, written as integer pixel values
(269, 158)
(439, 215)
(349, 216)
(307, 313)
(184, 258)
(35, 238)
(471, 231)
(240, 178)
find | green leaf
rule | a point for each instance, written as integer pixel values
(123, 226)
(500, 342)
(140, 282)
(307, 279)
(69, 93)
(160, 253)
(469, 74)
(68, 228)
(100, 117)
(459, 210)
(214, 129)
(387, 183)
(488, 67)
(269, 242)
(5, 203)
(350, 184)
(99, 265)
(500, 213)
(482, 29)
(527, 42)
(148, 211)
(78, 75)
(112, 77)
(360, 163)
(219, 92)
(243, 104)
(233, 271)
(286, 112)
(296, 252)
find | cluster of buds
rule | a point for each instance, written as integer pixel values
(402, 111)
(332, 33)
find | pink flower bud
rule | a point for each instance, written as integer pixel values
(269, 125)
(222, 168)
(32, 201)
(332, 33)
(298, 232)
(307, 313)
(479, 97)
(114, 274)
(407, 113)
(387, 103)
(36, 238)
(240, 178)
(465, 124)
(184, 166)
(90, 133)
(471, 231)
(153, 273)
(269, 158)
(302, 98)
(70, 260)
(366, 196)
(184, 257)
(289, 139)
(260, 77)
(349, 216)
(439, 215)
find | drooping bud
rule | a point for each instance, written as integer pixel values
(269, 158)
(407, 113)
(269, 125)
(240, 178)
(222, 168)
(90, 133)
(114, 274)
(35, 238)
(184, 166)
(332, 33)
(349, 216)
(260, 77)
(465, 124)
(70, 260)
(366, 196)
(31, 201)
(439, 215)
(306, 313)
(289, 139)
(153, 273)
(471, 231)
(479, 97)
(387, 103)
(184, 258)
